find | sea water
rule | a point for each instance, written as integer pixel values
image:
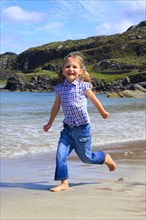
(24, 114)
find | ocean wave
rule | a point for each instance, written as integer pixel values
(22, 132)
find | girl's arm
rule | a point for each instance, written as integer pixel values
(97, 103)
(54, 112)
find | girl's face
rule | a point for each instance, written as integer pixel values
(71, 69)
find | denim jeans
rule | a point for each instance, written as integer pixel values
(79, 139)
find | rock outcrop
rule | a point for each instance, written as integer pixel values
(133, 86)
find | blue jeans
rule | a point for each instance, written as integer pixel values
(79, 139)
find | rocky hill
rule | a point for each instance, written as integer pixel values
(108, 58)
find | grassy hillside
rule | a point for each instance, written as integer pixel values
(107, 58)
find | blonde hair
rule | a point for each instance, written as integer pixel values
(85, 76)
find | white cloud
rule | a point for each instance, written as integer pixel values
(108, 28)
(52, 26)
(93, 10)
(135, 10)
(90, 10)
(104, 29)
(138, 5)
(124, 26)
(18, 14)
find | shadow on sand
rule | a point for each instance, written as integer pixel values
(39, 185)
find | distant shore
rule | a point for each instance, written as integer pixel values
(95, 193)
(132, 86)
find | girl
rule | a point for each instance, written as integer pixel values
(72, 95)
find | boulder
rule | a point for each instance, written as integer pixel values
(127, 94)
(14, 84)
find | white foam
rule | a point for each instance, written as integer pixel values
(22, 132)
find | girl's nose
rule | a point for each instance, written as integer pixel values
(71, 68)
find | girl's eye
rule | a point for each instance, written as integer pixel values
(68, 66)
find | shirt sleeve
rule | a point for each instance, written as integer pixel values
(87, 86)
(57, 89)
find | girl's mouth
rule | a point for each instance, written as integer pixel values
(70, 74)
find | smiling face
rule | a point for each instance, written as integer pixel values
(71, 69)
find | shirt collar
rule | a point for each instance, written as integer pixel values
(75, 82)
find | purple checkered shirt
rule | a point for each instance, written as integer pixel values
(74, 101)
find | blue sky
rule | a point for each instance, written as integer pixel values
(31, 23)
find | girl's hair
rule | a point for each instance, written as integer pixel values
(78, 56)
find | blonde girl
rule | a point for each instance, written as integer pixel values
(72, 95)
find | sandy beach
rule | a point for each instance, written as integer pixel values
(95, 193)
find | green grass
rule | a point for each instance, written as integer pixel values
(108, 77)
(137, 61)
(3, 82)
(28, 77)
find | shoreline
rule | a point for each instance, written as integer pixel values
(95, 193)
(127, 93)
(112, 147)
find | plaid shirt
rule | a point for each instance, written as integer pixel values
(74, 102)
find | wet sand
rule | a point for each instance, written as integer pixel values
(95, 193)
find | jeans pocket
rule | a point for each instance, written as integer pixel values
(84, 139)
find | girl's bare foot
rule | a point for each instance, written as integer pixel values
(63, 186)
(110, 163)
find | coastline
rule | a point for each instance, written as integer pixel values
(95, 193)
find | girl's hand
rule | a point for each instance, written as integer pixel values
(105, 115)
(46, 127)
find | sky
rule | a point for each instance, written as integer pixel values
(32, 23)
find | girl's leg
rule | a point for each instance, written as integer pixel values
(61, 172)
(82, 146)
(63, 150)
(82, 138)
